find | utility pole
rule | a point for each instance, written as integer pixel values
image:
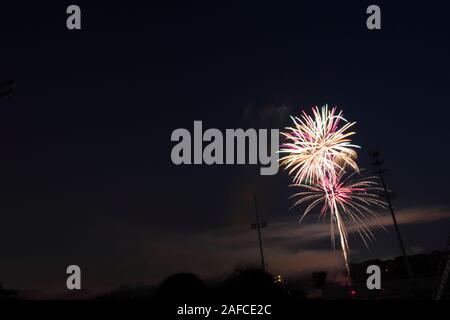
(377, 162)
(445, 273)
(258, 227)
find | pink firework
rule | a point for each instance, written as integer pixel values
(344, 200)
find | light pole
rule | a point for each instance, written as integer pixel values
(258, 227)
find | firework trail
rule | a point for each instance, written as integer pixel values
(351, 199)
(319, 153)
(318, 146)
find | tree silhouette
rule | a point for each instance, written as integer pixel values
(318, 279)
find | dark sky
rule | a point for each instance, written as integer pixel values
(86, 175)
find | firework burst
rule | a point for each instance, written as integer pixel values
(318, 146)
(321, 159)
(351, 199)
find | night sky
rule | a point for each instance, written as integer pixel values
(85, 171)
